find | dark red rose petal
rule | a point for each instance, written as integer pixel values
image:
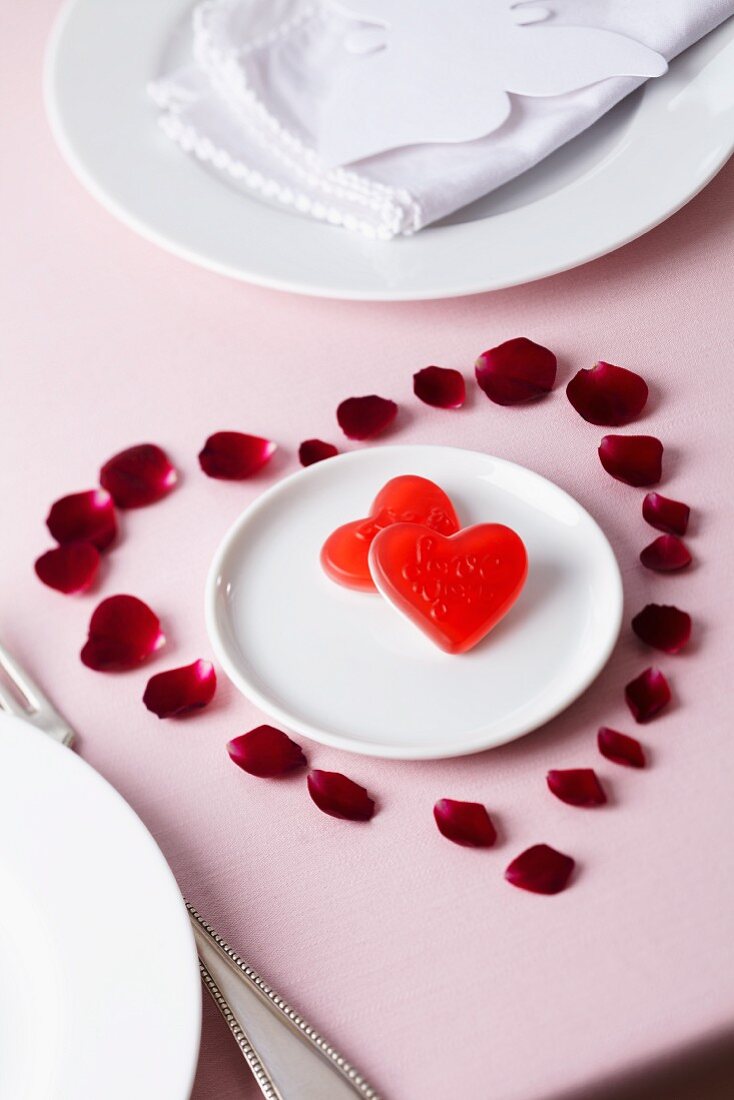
(69, 568)
(665, 514)
(466, 823)
(365, 417)
(540, 869)
(607, 395)
(233, 456)
(620, 749)
(647, 695)
(315, 450)
(576, 786)
(266, 752)
(138, 476)
(663, 627)
(666, 554)
(634, 459)
(340, 797)
(516, 371)
(123, 633)
(181, 690)
(84, 517)
(440, 387)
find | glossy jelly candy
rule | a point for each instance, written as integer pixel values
(405, 499)
(455, 589)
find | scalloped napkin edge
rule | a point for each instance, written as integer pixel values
(274, 94)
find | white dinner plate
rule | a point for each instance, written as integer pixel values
(627, 173)
(344, 668)
(100, 993)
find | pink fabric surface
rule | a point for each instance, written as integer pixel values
(429, 971)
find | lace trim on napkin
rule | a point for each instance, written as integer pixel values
(377, 210)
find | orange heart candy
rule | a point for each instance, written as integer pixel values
(456, 588)
(404, 499)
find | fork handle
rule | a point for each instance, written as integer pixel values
(289, 1059)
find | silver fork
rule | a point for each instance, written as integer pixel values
(24, 698)
(288, 1057)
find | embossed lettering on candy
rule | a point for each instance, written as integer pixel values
(456, 588)
(404, 499)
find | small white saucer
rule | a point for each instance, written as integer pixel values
(343, 668)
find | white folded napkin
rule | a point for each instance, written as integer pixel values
(382, 116)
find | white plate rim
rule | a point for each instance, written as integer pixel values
(181, 943)
(297, 725)
(456, 241)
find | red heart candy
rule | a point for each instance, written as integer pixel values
(405, 499)
(455, 589)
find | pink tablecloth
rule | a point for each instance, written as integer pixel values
(432, 973)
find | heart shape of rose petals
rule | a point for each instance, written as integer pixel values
(663, 626)
(647, 694)
(516, 372)
(339, 796)
(634, 459)
(576, 786)
(315, 450)
(541, 870)
(364, 417)
(441, 387)
(670, 516)
(666, 554)
(123, 633)
(234, 456)
(70, 567)
(178, 691)
(620, 748)
(466, 823)
(138, 476)
(84, 517)
(404, 499)
(455, 588)
(265, 752)
(606, 394)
